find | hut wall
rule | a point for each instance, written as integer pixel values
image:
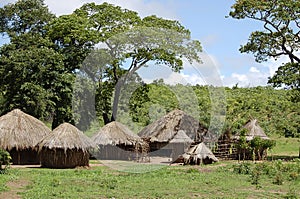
(24, 157)
(225, 150)
(163, 149)
(58, 158)
(119, 152)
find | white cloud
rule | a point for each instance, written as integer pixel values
(239, 77)
(254, 70)
(162, 9)
(248, 79)
(208, 71)
(166, 9)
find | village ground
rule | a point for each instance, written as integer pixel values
(157, 179)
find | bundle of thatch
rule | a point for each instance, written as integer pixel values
(116, 141)
(66, 147)
(198, 154)
(19, 134)
(253, 130)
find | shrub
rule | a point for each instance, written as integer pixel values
(4, 160)
(242, 168)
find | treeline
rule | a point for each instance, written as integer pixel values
(273, 108)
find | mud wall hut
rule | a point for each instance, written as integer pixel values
(66, 147)
(172, 134)
(19, 134)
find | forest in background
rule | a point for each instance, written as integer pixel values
(276, 113)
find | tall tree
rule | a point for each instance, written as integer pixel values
(280, 37)
(130, 39)
(32, 72)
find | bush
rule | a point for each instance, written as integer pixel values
(242, 168)
(4, 160)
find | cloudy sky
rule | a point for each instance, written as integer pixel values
(220, 37)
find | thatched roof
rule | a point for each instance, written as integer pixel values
(115, 133)
(199, 151)
(66, 136)
(253, 130)
(166, 128)
(21, 131)
(181, 137)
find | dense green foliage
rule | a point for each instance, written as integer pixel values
(274, 109)
(34, 76)
(5, 160)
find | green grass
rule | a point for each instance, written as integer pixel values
(211, 181)
(219, 180)
(9, 175)
(285, 147)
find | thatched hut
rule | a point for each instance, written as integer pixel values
(66, 147)
(117, 142)
(199, 154)
(253, 130)
(172, 134)
(19, 134)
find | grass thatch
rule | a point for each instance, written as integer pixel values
(253, 130)
(117, 142)
(66, 147)
(19, 134)
(66, 136)
(166, 128)
(116, 133)
(20, 131)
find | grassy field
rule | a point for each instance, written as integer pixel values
(288, 147)
(225, 179)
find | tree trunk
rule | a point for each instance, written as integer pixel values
(105, 118)
(117, 94)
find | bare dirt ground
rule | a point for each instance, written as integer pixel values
(15, 187)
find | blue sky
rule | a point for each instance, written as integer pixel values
(220, 37)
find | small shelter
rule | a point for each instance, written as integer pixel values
(172, 134)
(117, 142)
(225, 146)
(66, 147)
(199, 154)
(253, 130)
(19, 134)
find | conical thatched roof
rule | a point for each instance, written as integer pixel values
(199, 151)
(253, 130)
(181, 137)
(115, 133)
(21, 131)
(66, 136)
(166, 128)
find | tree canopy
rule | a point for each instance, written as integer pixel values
(128, 38)
(280, 37)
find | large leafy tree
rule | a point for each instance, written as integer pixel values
(137, 41)
(280, 37)
(33, 75)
